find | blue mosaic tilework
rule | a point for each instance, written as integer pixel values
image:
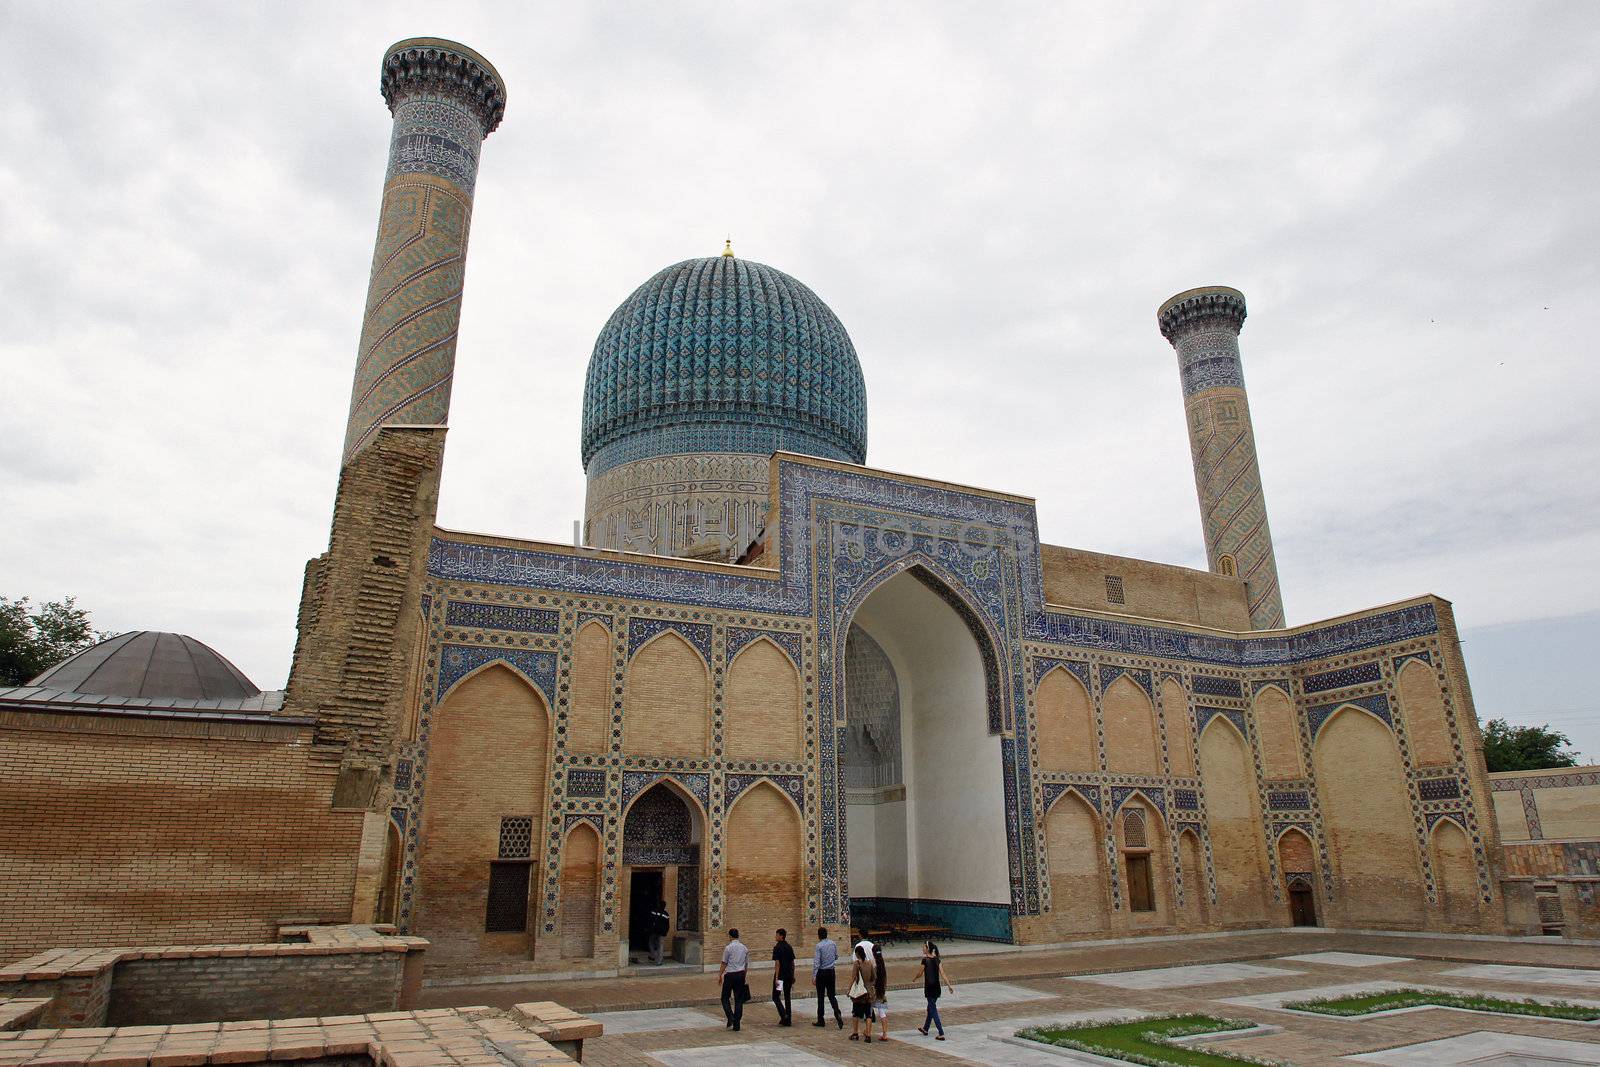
(738, 637)
(1186, 800)
(1052, 792)
(402, 775)
(1204, 715)
(636, 782)
(1109, 674)
(1439, 789)
(1261, 683)
(1156, 795)
(435, 137)
(1377, 703)
(586, 617)
(659, 829)
(586, 783)
(792, 784)
(457, 661)
(642, 630)
(1211, 686)
(1433, 818)
(398, 816)
(1288, 800)
(502, 617)
(790, 594)
(722, 354)
(1425, 656)
(595, 820)
(1360, 674)
(1043, 665)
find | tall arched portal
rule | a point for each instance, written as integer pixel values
(925, 830)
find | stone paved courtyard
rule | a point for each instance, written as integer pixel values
(674, 1020)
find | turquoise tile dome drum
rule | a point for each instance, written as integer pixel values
(722, 355)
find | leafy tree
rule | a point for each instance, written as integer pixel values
(1525, 748)
(31, 642)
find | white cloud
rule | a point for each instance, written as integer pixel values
(994, 200)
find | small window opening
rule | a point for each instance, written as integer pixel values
(507, 912)
(1114, 593)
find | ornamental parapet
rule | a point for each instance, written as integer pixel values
(1209, 304)
(428, 66)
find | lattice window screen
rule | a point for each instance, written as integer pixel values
(516, 837)
(1114, 589)
(1133, 835)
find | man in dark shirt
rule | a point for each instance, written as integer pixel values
(783, 978)
(660, 923)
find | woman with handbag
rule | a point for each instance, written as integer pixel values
(863, 977)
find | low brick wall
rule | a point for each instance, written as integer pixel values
(349, 970)
(147, 992)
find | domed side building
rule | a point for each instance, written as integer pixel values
(774, 688)
(703, 373)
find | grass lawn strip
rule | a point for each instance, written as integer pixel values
(1392, 999)
(1146, 1041)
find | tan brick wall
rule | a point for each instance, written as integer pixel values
(1233, 817)
(1455, 874)
(1367, 818)
(1196, 909)
(224, 989)
(1130, 722)
(1075, 578)
(1065, 717)
(1571, 812)
(1180, 734)
(1162, 895)
(1423, 708)
(1280, 736)
(1510, 816)
(589, 713)
(580, 892)
(762, 716)
(1079, 889)
(1535, 859)
(764, 884)
(487, 758)
(1294, 853)
(667, 702)
(115, 838)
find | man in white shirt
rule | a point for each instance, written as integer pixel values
(731, 976)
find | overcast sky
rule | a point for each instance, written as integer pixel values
(994, 199)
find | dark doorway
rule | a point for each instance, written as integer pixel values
(644, 893)
(1302, 904)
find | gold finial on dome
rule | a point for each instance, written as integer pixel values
(727, 248)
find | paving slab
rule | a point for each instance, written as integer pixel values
(967, 995)
(758, 1054)
(650, 1020)
(1486, 1048)
(1501, 972)
(1347, 959)
(1183, 977)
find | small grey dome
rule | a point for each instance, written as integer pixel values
(146, 663)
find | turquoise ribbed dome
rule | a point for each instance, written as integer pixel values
(722, 355)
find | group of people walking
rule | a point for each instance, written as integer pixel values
(868, 991)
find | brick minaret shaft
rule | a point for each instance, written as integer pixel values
(445, 99)
(356, 670)
(1203, 326)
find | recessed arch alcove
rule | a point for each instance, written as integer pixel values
(923, 770)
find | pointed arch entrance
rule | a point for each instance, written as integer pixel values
(923, 765)
(661, 837)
